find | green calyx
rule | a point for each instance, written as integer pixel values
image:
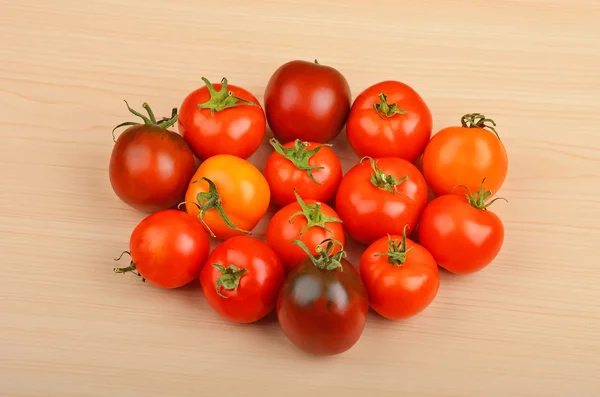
(478, 120)
(385, 109)
(299, 155)
(229, 278)
(396, 252)
(163, 123)
(477, 199)
(222, 99)
(383, 180)
(325, 258)
(127, 269)
(313, 214)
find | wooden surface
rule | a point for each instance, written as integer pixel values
(528, 325)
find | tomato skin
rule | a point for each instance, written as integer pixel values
(370, 212)
(256, 295)
(238, 130)
(399, 291)
(461, 238)
(372, 134)
(307, 101)
(169, 248)
(243, 190)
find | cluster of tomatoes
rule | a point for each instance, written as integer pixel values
(301, 269)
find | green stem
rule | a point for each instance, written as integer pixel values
(127, 269)
(164, 123)
(325, 260)
(384, 109)
(229, 279)
(477, 199)
(313, 214)
(299, 155)
(223, 99)
(396, 252)
(383, 180)
(478, 120)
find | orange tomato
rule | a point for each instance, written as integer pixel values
(229, 195)
(465, 155)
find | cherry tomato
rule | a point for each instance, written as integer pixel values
(323, 304)
(150, 166)
(307, 101)
(401, 276)
(241, 279)
(312, 169)
(379, 197)
(389, 119)
(167, 249)
(222, 119)
(306, 220)
(229, 195)
(465, 155)
(461, 233)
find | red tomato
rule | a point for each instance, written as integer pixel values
(401, 277)
(167, 249)
(312, 169)
(323, 304)
(460, 232)
(378, 198)
(241, 279)
(465, 155)
(389, 119)
(150, 166)
(307, 101)
(222, 119)
(306, 220)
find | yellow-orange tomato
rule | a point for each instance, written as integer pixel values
(229, 195)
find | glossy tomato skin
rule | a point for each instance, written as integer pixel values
(402, 290)
(256, 294)
(323, 312)
(307, 101)
(283, 176)
(238, 130)
(370, 133)
(150, 168)
(243, 190)
(370, 212)
(461, 238)
(169, 248)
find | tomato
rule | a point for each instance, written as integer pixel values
(241, 279)
(306, 101)
(461, 233)
(222, 119)
(167, 249)
(306, 220)
(229, 195)
(378, 198)
(401, 276)
(389, 119)
(322, 306)
(150, 166)
(465, 155)
(312, 169)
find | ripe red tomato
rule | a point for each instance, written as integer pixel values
(460, 232)
(401, 277)
(323, 304)
(167, 249)
(389, 119)
(378, 198)
(222, 119)
(150, 166)
(465, 155)
(306, 220)
(312, 169)
(307, 101)
(241, 279)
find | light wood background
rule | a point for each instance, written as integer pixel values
(528, 325)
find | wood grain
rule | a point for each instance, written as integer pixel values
(528, 325)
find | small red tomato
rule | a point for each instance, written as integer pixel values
(401, 279)
(389, 119)
(150, 166)
(222, 119)
(460, 232)
(312, 169)
(378, 198)
(241, 279)
(323, 304)
(307, 101)
(308, 221)
(167, 249)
